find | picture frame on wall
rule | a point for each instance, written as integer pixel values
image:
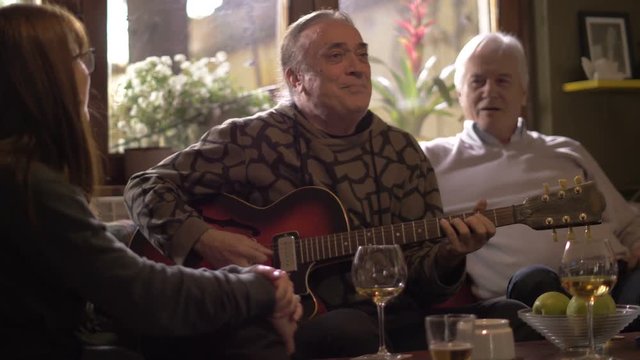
(606, 35)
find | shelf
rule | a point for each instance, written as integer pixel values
(597, 85)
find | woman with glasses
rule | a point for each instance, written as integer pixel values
(56, 255)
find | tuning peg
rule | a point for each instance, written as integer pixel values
(587, 232)
(571, 235)
(554, 235)
(578, 180)
(563, 183)
(545, 192)
(563, 187)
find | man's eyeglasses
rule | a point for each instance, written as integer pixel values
(88, 59)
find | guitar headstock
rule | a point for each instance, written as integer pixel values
(582, 204)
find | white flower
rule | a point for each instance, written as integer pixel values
(136, 83)
(222, 70)
(142, 102)
(139, 129)
(154, 96)
(162, 69)
(166, 60)
(179, 58)
(185, 65)
(150, 97)
(221, 56)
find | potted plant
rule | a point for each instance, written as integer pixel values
(414, 93)
(171, 102)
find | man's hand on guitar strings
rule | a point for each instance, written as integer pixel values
(222, 248)
(467, 235)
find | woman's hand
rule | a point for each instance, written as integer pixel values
(287, 310)
(286, 326)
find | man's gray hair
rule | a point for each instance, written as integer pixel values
(291, 55)
(506, 41)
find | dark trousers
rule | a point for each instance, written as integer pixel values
(256, 341)
(407, 331)
(337, 333)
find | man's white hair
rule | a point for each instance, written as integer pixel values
(506, 41)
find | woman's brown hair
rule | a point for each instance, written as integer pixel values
(42, 116)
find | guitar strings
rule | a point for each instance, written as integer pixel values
(321, 247)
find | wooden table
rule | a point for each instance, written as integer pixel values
(622, 349)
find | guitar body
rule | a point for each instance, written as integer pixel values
(305, 212)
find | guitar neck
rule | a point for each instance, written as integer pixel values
(325, 247)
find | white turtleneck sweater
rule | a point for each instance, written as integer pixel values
(474, 165)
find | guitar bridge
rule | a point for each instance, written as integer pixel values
(286, 250)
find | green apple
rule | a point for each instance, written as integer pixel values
(603, 305)
(551, 303)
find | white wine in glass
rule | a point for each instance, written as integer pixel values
(380, 273)
(588, 286)
(588, 269)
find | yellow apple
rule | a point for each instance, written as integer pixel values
(603, 305)
(551, 303)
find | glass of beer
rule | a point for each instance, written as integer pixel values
(450, 336)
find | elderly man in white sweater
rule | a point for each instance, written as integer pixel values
(506, 163)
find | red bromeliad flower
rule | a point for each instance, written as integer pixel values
(414, 29)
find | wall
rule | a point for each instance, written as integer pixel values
(607, 123)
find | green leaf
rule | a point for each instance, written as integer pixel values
(445, 91)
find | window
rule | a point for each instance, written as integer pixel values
(195, 63)
(9, 2)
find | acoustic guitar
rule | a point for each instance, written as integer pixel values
(308, 228)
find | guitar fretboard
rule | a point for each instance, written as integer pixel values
(323, 247)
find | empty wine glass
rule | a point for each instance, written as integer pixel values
(379, 272)
(588, 270)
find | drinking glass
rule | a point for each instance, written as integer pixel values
(379, 272)
(588, 269)
(450, 336)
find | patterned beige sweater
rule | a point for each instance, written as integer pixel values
(379, 174)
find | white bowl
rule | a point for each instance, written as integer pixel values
(570, 332)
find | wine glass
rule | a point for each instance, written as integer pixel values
(588, 270)
(379, 272)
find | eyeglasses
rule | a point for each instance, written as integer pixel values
(88, 59)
